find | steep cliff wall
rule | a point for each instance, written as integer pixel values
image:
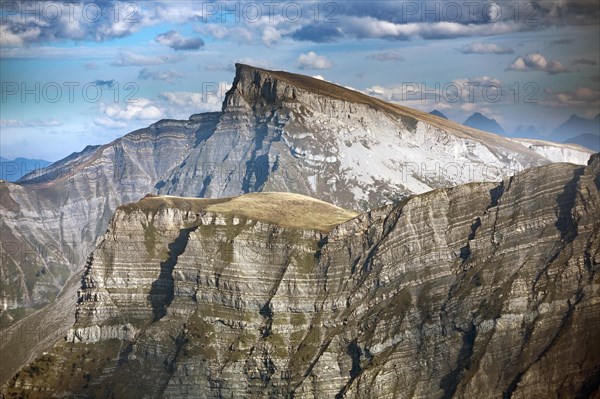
(483, 290)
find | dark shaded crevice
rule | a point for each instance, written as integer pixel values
(590, 387)
(257, 167)
(170, 363)
(388, 225)
(163, 288)
(566, 223)
(355, 353)
(450, 381)
(465, 251)
(160, 184)
(267, 313)
(204, 133)
(205, 183)
(496, 194)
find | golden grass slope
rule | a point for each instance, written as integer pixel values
(287, 210)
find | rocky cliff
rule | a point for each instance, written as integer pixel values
(482, 290)
(277, 131)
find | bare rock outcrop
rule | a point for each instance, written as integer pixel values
(484, 290)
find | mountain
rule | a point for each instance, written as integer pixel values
(19, 167)
(526, 132)
(435, 112)
(277, 131)
(481, 290)
(478, 121)
(587, 140)
(576, 126)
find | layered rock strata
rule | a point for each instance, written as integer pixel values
(483, 290)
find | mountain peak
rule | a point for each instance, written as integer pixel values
(482, 122)
(256, 86)
(438, 113)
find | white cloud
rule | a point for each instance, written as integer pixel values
(182, 104)
(116, 116)
(369, 27)
(109, 123)
(270, 36)
(311, 60)
(536, 62)
(169, 104)
(485, 48)
(176, 41)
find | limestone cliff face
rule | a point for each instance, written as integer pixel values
(277, 132)
(485, 290)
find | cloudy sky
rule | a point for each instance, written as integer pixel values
(79, 73)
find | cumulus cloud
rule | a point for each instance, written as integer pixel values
(389, 19)
(368, 27)
(461, 95)
(485, 48)
(536, 62)
(168, 76)
(391, 55)
(178, 42)
(270, 35)
(168, 104)
(80, 21)
(581, 97)
(312, 60)
(115, 116)
(182, 104)
(23, 24)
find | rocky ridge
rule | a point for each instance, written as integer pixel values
(482, 290)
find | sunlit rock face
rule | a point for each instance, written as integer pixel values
(277, 131)
(482, 290)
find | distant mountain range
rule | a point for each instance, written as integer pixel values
(526, 131)
(478, 121)
(575, 130)
(575, 126)
(579, 130)
(13, 170)
(438, 113)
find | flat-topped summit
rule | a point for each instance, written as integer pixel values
(287, 210)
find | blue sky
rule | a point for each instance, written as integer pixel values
(82, 73)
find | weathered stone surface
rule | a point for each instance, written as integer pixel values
(277, 132)
(483, 290)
